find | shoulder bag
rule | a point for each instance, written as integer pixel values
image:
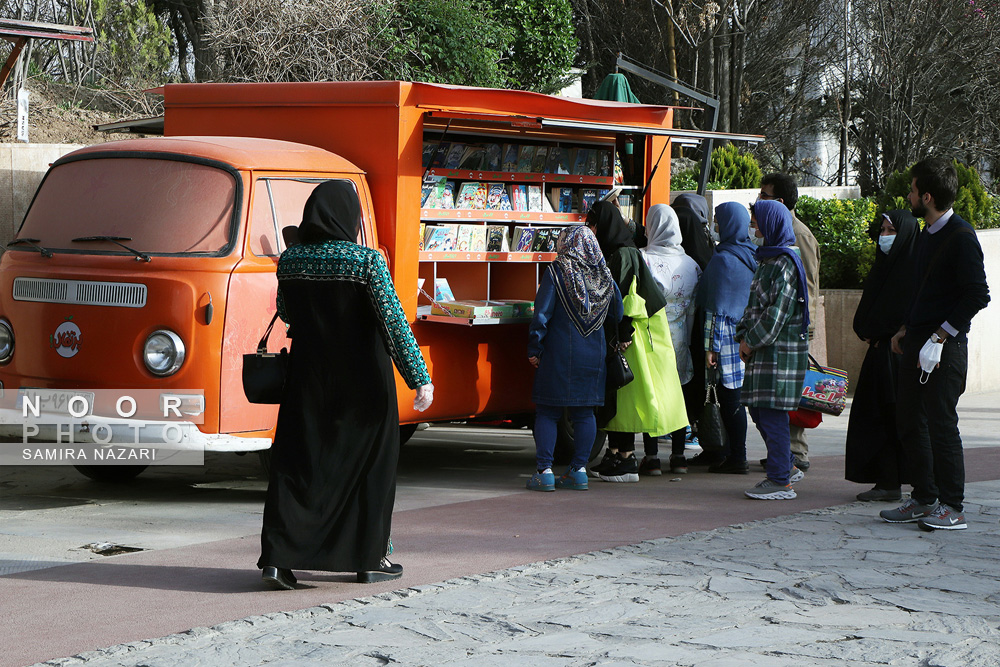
(264, 372)
(619, 372)
(825, 389)
(711, 434)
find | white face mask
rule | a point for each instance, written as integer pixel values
(885, 242)
(757, 240)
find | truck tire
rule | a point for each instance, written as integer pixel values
(111, 474)
(564, 442)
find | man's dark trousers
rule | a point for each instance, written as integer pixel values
(927, 417)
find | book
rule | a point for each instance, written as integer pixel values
(552, 161)
(437, 192)
(496, 239)
(521, 308)
(535, 198)
(509, 162)
(440, 238)
(541, 239)
(587, 199)
(497, 199)
(455, 154)
(471, 195)
(440, 154)
(522, 239)
(547, 205)
(619, 175)
(493, 158)
(473, 309)
(580, 161)
(562, 200)
(519, 197)
(472, 158)
(430, 147)
(604, 165)
(591, 169)
(552, 241)
(442, 290)
(524, 158)
(463, 240)
(538, 163)
(477, 240)
(420, 238)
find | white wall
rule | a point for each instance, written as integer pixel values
(984, 348)
(747, 197)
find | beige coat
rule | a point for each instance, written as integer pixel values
(809, 252)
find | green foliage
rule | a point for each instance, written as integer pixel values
(841, 229)
(735, 169)
(688, 180)
(544, 42)
(133, 46)
(973, 202)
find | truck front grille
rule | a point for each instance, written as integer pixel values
(82, 292)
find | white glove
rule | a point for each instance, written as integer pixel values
(425, 396)
(930, 357)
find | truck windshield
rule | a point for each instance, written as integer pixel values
(163, 206)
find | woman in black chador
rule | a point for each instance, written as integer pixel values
(333, 467)
(874, 452)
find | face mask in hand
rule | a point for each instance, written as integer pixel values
(930, 357)
(885, 242)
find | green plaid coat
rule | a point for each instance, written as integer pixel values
(772, 327)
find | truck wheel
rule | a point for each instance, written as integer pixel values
(564, 442)
(111, 474)
(406, 432)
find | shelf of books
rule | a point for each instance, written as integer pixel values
(485, 215)
(432, 256)
(519, 177)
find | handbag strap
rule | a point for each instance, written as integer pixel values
(711, 393)
(262, 345)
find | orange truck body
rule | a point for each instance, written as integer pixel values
(267, 139)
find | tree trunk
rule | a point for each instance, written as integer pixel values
(723, 86)
(736, 81)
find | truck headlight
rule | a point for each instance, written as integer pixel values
(163, 352)
(6, 341)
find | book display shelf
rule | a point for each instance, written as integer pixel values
(492, 207)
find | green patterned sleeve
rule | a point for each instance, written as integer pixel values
(395, 329)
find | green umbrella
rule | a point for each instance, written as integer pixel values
(615, 88)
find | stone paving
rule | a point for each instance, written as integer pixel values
(827, 587)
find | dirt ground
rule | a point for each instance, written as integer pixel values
(66, 115)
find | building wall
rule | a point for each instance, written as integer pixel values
(22, 167)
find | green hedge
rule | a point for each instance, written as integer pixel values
(974, 203)
(841, 229)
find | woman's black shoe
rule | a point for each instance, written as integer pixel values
(728, 467)
(279, 578)
(705, 459)
(386, 572)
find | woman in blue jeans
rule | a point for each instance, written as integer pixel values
(566, 344)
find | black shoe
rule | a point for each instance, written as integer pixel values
(678, 464)
(279, 578)
(386, 572)
(802, 464)
(880, 494)
(705, 459)
(728, 467)
(650, 465)
(626, 469)
(606, 463)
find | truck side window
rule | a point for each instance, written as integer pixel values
(263, 238)
(289, 197)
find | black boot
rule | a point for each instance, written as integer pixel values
(385, 572)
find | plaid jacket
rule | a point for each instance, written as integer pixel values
(772, 327)
(719, 337)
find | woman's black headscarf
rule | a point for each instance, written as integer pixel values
(888, 289)
(332, 213)
(692, 212)
(611, 231)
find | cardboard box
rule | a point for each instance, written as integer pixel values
(473, 309)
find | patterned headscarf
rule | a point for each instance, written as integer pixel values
(582, 279)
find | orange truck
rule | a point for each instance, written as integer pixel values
(149, 263)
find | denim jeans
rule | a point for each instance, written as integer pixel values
(546, 427)
(773, 427)
(927, 420)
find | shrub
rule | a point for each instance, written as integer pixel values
(737, 170)
(973, 202)
(841, 229)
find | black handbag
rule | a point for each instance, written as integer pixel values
(619, 372)
(264, 372)
(711, 434)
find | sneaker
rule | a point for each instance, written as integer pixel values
(908, 512)
(729, 467)
(678, 465)
(542, 481)
(705, 459)
(690, 439)
(386, 571)
(768, 490)
(650, 465)
(944, 517)
(575, 480)
(626, 469)
(607, 462)
(880, 494)
(795, 475)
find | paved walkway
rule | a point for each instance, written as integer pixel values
(718, 580)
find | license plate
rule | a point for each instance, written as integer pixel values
(55, 402)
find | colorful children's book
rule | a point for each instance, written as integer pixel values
(496, 239)
(474, 309)
(522, 239)
(494, 157)
(440, 238)
(442, 290)
(525, 157)
(471, 195)
(497, 198)
(455, 154)
(477, 240)
(535, 198)
(472, 158)
(619, 175)
(519, 197)
(437, 192)
(463, 241)
(510, 157)
(541, 156)
(420, 239)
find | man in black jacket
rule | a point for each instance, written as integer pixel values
(951, 289)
